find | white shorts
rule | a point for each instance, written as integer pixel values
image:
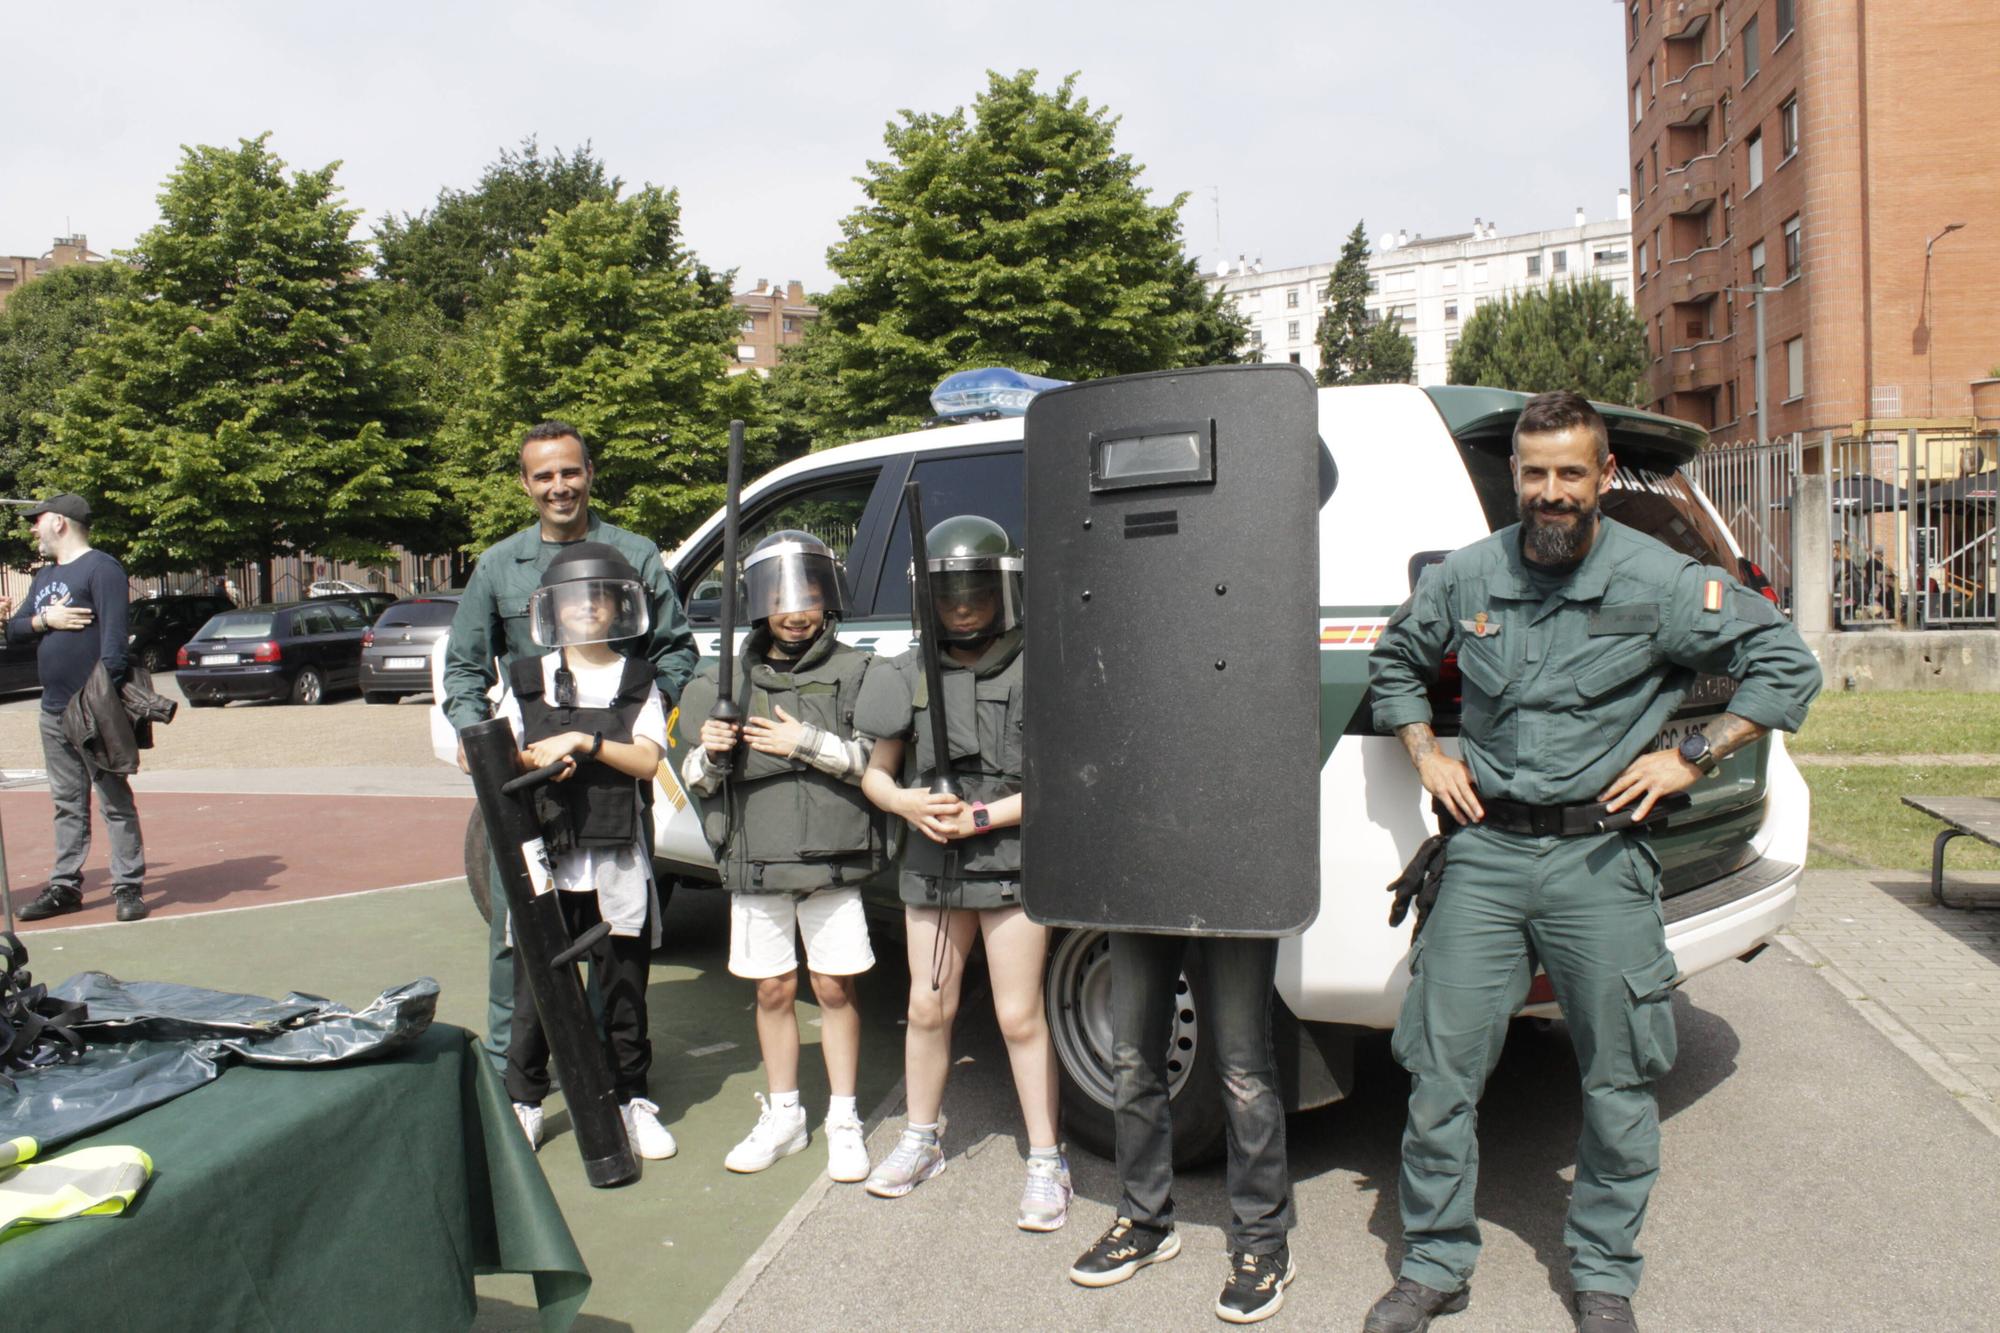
(764, 930)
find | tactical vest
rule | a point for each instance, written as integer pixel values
(596, 806)
(780, 825)
(983, 732)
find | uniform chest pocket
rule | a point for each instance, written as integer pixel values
(998, 704)
(1622, 660)
(1484, 664)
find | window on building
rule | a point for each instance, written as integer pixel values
(1757, 264)
(1795, 369)
(1292, 299)
(1561, 261)
(1753, 153)
(1599, 258)
(1787, 16)
(1792, 244)
(1327, 291)
(749, 324)
(791, 325)
(1295, 361)
(745, 352)
(1728, 215)
(1479, 275)
(1451, 275)
(1534, 266)
(1451, 311)
(1753, 59)
(1659, 336)
(1450, 346)
(1788, 118)
(1652, 78)
(1642, 262)
(1291, 330)
(1659, 251)
(1638, 103)
(1638, 180)
(1634, 16)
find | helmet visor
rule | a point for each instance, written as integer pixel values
(976, 597)
(563, 615)
(788, 577)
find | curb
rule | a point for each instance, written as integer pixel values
(1962, 1090)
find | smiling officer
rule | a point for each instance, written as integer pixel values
(1577, 638)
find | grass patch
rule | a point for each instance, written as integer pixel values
(1859, 819)
(1917, 722)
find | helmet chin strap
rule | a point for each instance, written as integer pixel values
(786, 648)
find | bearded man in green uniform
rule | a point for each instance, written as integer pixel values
(1577, 638)
(492, 623)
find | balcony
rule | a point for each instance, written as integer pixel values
(1695, 185)
(1690, 99)
(1699, 367)
(1697, 276)
(1686, 18)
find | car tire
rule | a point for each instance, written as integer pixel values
(157, 660)
(308, 687)
(378, 697)
(1077, 996)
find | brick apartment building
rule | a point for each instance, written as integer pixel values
(771, 319)
(16, 271)
(1826, 148)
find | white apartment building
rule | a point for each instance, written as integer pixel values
(1429, 286)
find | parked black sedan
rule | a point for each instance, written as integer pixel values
(158, 626)
(299, 651)
(396, 652)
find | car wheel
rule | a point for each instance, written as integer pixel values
(308, 687)
(156, 660)
(479, 865)
(1077, 996)
(377, 697)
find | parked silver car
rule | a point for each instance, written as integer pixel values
(396, 651)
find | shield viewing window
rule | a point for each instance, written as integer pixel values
(1162, 455)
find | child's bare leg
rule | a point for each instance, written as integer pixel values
(927, 1046)
(1016, 952)
(778, 1030)
(839, 1032)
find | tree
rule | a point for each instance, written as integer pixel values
(1017, 235)
(232, 408)
(461, 255)
(1580, 335)
(42, 329)
(612, 325)
(1354, 346)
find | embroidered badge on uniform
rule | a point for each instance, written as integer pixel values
(1711, 595)
(1481, 626)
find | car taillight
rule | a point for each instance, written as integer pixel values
(1763, 583)
(181, 656)
(267, 651)
(368, 637)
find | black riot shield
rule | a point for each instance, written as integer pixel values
(1172, 671)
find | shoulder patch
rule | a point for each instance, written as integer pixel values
(1711, 596)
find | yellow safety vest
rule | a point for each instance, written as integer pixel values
(89, 1182)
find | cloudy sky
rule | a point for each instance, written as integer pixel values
(1303, 117)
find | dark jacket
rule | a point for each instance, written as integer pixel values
(111, 724)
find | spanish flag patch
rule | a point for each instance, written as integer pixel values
(1711, 595)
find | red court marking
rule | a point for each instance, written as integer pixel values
(205, 852)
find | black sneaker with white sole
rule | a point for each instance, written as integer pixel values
(1256, 1286)
(1122, 1251)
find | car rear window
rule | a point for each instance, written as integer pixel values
(430, 611)
(243, 625)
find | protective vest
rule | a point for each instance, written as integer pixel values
(88, 1182)
(983, 711)
(595, 806)
(780, 825)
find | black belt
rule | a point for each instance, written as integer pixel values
(1575, 821)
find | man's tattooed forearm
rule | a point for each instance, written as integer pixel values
(1419, 740)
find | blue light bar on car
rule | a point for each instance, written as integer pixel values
(992, 391)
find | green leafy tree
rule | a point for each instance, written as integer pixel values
(1355, 347)
(42, 328)
(1580, 335)
(613, 325)
(461, 254)
(232, 409)
(1015, 235)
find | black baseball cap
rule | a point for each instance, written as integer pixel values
(69, 506)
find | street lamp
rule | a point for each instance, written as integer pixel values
(1760, 291)
(1930, 342)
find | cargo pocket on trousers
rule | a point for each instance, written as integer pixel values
(1653, 1043)
(1408, 1039)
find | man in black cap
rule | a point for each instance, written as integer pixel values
(75, 611)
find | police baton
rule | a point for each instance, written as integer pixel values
(725, 709)
(543, 947)
(924, 614)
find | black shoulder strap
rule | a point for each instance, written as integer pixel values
(637, 680)
(524, 677)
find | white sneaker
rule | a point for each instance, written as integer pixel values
(531, 1122)
(650, 1139)
(780, 1131)
(846, 1154)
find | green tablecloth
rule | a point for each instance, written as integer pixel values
(360, 1197)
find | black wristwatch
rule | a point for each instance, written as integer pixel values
(596, 744)
(1697, 751)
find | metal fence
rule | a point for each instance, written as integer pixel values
(1909, 518)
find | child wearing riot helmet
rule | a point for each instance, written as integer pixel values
(793, 836)
(961, 868)
(590, 703)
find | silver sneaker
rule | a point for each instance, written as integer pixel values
(779, 1132)
(1045, 1198)
(914, 1160)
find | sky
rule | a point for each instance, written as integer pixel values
(1297, 119)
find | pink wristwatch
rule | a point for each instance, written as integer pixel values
(980, 817)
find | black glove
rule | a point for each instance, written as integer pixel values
(1419, 882)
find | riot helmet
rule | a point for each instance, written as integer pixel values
(589, 594)
(975, 577)
(791, 571)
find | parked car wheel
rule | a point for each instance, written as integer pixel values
(378, 697)
(156, 660)
(308, 687)
(1077, 995)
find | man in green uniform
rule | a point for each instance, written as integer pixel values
(492, 623)
(1577, 638)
